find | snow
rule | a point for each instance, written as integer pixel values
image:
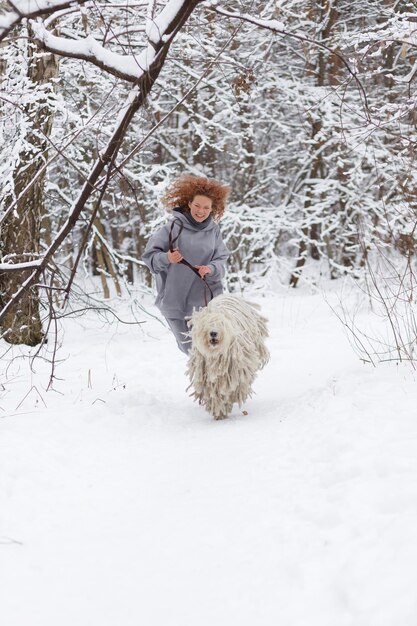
(5, 267)
(123, 502)
(271, 24)
(131, 67)
(22, 8)
(156, 28)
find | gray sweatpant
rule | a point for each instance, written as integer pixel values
(178, 327)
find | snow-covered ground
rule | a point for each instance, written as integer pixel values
(122, 503)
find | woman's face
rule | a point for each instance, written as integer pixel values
(200, 208)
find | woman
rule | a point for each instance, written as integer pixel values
(191, 237)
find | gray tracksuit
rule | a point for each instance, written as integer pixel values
(179, 290)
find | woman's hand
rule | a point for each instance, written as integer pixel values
(203, 270)
(174, 256)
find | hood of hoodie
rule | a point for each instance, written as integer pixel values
(190, 223)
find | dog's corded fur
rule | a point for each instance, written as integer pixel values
(228, 349)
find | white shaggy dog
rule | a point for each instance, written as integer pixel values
(228, 348)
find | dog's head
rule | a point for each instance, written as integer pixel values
(211, 333)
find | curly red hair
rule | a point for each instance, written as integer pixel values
(184, 189)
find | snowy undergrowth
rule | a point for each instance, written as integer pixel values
(124, 503)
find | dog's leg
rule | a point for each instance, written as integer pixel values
(220, 417)
(224, 412)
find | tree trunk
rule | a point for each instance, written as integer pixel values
(20, 232)
(321, 69)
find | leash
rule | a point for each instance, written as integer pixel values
(172, 241)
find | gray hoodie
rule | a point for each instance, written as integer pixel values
(179, 289)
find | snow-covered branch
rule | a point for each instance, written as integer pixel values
(18, 267)
(127, 67)
(30, 9)
(159, 31)
(278, 27)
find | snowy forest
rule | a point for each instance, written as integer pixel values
(122, 502)
(306, 109)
